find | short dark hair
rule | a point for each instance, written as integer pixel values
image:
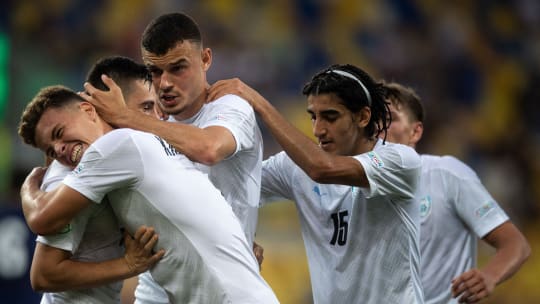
(48, 97)
(164, 32)
(406, 98)
(122, 70)
(354, 93)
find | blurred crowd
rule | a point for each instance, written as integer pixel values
(475, 65)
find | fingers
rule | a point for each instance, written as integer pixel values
(470, 287)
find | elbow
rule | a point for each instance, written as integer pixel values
(39, 282)
(208, 155)
(320, 172)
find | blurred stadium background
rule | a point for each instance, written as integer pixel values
(476, 64)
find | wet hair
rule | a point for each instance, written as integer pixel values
(48, 97)
(357, 90)
(122, 70)
(403, 97)
(166, 31)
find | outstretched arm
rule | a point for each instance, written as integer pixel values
(208, 146)
(512, 249)
(49, 212)
(53, 269)
(319, 165)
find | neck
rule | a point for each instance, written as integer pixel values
(365, 145)
(195, 107)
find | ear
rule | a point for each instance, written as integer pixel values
(417, 131)
(363, 117)
(88, 109)
(206, 58)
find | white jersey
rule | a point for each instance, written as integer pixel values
(92, 236)
(455, 210)
(238, 177)
(208, 259)
(362, 244)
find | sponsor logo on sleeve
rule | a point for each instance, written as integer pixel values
(425, 206)
(376, 159)
(484, 209)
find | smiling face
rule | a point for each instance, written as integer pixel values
(338, 130)
(179, 77)
(65, 133)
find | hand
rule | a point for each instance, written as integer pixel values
(139, 255)
(258, 251)
(473, 286)
(33, 181)
(237, 87)
(109, 104)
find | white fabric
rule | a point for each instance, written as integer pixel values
(92, 236)
(455, 210)
(238, 177)
(208, 259)
(362, 244)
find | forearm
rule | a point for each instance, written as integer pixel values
(70, 274)
(197, 144)
(302, 150)
(507, 261)
(34, 205)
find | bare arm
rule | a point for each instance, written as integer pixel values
(512, 249)
(54, 270)
(208, 146)
(322, 167)
(49, 212)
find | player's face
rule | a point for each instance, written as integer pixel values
(401, 130)
(65, 133)
(179, 77)
(142, 97)
(335, 127)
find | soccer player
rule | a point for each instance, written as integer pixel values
(146, 182)
(223, 136)
(93, 235)
(354, 192)
(456, 209)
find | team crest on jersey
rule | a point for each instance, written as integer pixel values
(78, 169)
(375, 159)
(484, 209)
(425, 206)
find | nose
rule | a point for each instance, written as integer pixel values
(165, 82)
(319, 128)
(59, 149)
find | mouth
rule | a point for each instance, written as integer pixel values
(76, 154)
(325, 144)
(167, 99)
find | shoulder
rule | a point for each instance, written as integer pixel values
(231, 101)
(403, 155)
(448, 165)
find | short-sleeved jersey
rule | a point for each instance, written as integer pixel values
(208, 259)
(92, 236)
(238, 177)
(455, 210)
(362, 244)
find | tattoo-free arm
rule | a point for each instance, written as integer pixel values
(53, 269)
(208, 146)
(49, 212)
(322, 167)
(512, 250)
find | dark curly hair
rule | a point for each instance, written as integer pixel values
(357, 90)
